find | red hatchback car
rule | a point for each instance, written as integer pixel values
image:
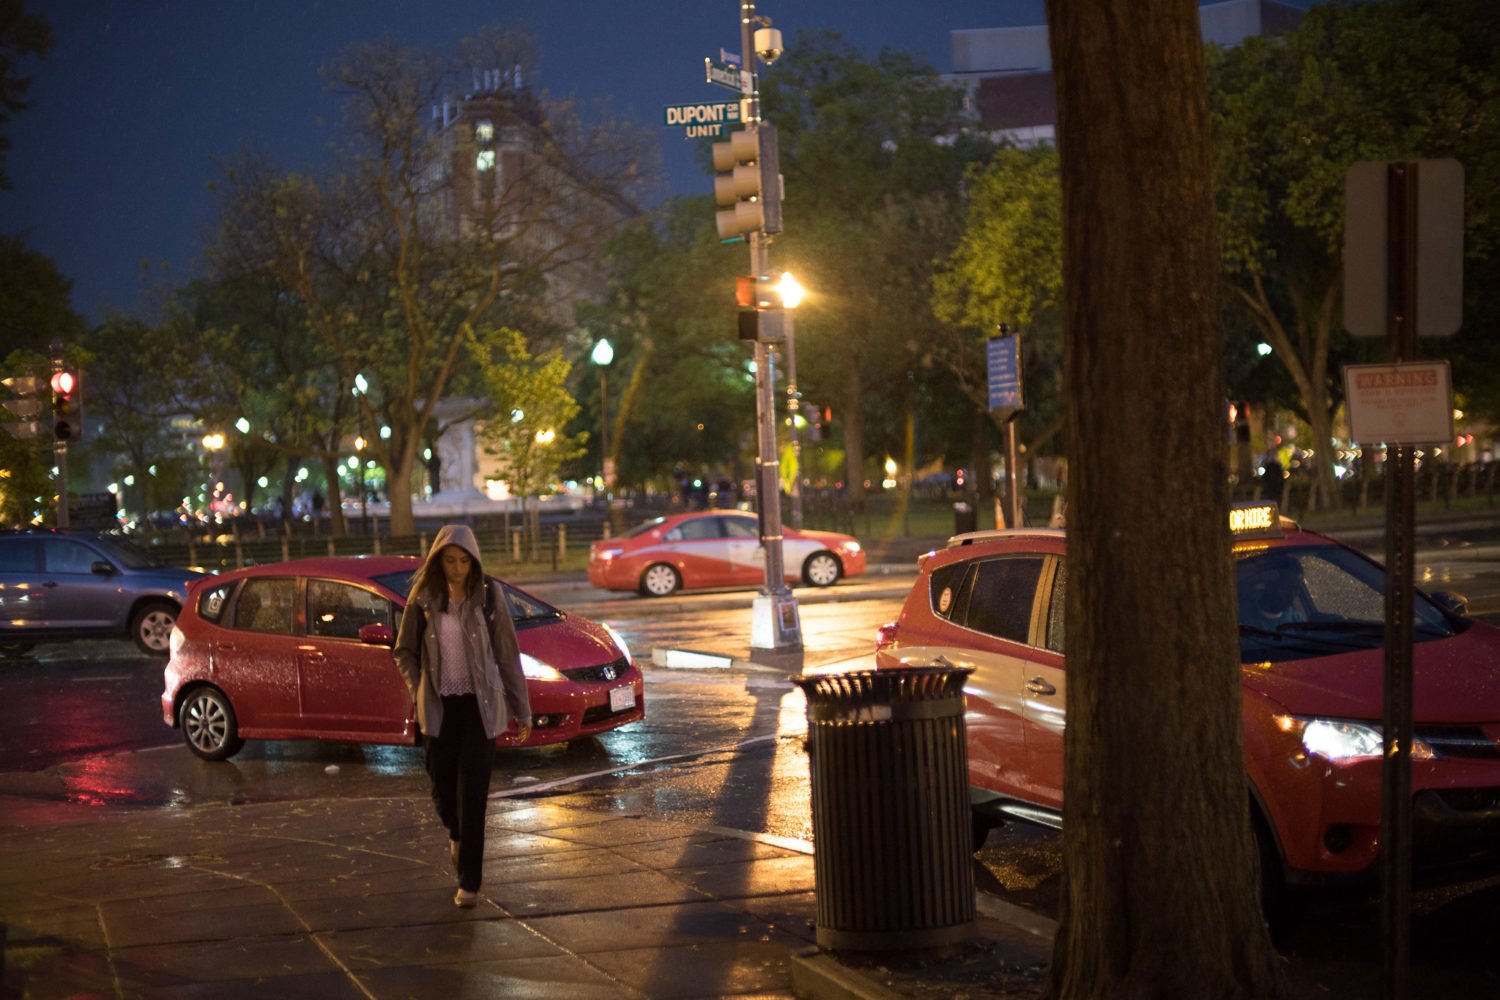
(716, 549)
(1311, 616)
(302, 650)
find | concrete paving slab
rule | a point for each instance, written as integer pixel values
(647, 926)
(703, 970)
(185, 927)
(601, 891)
(449, 943)
(527, 978)
(790, 874)
(161, 966)
(577, 862)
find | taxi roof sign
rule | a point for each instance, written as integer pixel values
(1255, 519)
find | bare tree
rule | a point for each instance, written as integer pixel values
(462, 201)
(1160, 896)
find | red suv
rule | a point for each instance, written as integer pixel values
(1311, 616)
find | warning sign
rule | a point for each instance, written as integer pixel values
(1400, 404)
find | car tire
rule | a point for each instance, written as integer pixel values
(660, 580)
(979, 829)
(1277, 903)
(208, 724)
(822, 569)
(151, 627)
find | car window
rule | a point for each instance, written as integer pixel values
(63, 555)
(338, 610)
(943, 584)
(17, 555)
(695, 530)
(641, 529)
(1058, 606)
(128, 554)
(212, 603)
(997, 596)
(265, 605)
(741, 527)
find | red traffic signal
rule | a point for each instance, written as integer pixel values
(67, 406)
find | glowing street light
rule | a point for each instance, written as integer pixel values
(603, 355)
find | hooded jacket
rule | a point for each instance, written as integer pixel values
(494, 653)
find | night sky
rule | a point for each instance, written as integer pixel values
(141, 100)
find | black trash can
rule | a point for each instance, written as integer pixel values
(965, 518)
(890, 802)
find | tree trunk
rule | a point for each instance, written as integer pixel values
(335, 500)
(1160, 893)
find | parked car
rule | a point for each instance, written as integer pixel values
(1311, 624)
(716, 549)
(302, 650)
(59, 585)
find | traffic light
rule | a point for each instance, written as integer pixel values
(67, 406)
(747, 186)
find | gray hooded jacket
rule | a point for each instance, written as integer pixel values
(494, 654)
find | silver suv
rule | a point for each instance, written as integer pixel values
(56, 586)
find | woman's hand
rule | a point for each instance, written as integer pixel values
(523, 729)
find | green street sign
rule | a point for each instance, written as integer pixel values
(723, 75)
(702, 120)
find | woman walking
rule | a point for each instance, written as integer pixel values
(457, 650)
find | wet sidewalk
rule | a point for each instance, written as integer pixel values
(332, 898)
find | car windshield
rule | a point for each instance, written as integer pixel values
(1316, 600)
(524, 609)
(128, 554)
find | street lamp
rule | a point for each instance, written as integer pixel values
(603, 355)
(364, 510)
(791, 297)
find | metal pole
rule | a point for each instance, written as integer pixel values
(603, 430)
(1012, 481)
(794, 410)
(783, 631)
(1395, 816)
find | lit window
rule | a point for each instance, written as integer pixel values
(484, 131)
(485, 160)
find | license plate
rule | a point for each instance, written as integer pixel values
(622, 699)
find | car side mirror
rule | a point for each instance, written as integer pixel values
(1455, 604)
(102, 567)
(376, 635)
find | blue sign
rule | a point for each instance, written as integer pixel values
(1003, 361)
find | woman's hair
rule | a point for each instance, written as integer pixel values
(429, 578)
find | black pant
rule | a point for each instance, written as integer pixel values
(459, 763)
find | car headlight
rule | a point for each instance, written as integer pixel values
(605, 555)
(1341, 739)
(851, 546)
(536, 670)
(619, 641)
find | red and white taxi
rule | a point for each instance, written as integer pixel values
(302, 650)
(1311, 619)
(716, 549)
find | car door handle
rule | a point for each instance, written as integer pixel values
(1038, 686)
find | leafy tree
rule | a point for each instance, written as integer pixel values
(414, 242)
(135, 379)
(1290, 114)
(863, 141)
(1160, 896)
(22, 35)
(534, 406)
(1007, 268)
(678, 365)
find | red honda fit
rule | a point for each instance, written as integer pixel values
(1311, 615)
(302, 650)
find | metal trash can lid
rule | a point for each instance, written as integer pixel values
(896, 687)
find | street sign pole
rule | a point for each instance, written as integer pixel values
(775, 625)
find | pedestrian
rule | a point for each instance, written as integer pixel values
(458, 652)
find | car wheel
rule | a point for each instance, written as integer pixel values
(659, 580)
(822, 569)
(979, 829)
(208, 725)
(151, 628)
